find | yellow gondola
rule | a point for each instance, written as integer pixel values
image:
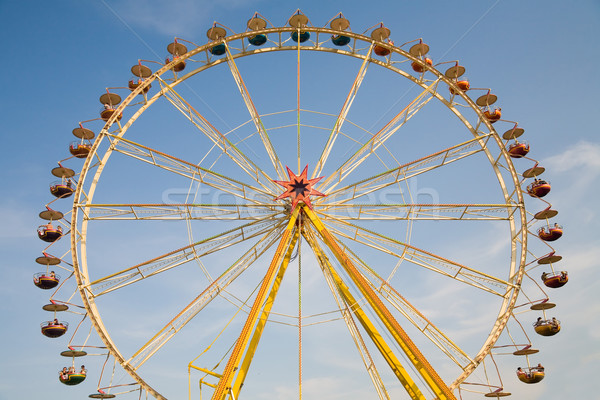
(547, 327)
(532, 375)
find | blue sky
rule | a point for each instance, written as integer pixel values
(539, 58)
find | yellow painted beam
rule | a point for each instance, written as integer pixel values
(224, 385)
(207, 371)
(258, 330)
(430, 376)
(387, 353)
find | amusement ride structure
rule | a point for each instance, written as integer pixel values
(309, 253)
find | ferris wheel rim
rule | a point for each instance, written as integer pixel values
(77, 240)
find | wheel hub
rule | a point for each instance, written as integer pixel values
(299, 188)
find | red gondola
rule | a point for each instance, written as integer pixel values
(381, 51)
(107, 112)
(551, 234)
(381, 34)
(176, 49)
(134, 84)
(420, 68)
(54, 329)
(518, 150)
(548, 327)
(80, 150)
(538, 188)
(48, 233)
(177, 67)
(62, 189)
(555, 280)
(463, 85)
(492, 116)
(46, 281)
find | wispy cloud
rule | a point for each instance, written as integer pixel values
(574, 174)
(164, 17)
(583, 155)
(581, 162)
(180, 18)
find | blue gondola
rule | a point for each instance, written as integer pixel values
(340, 40)
(258, 40)
(304, 36)
(218, 50)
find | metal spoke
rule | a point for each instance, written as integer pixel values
(220, 140)
(210, 293)
(414, 316)
(343, 113)
(345, 310)
(180, 256)
(435, 212)
(378, 139)
(219, 212)
(254, 114)
(404, 172)
(282, 252)
(189, 170)
(396, 300)
(422, 258)
(413, 354)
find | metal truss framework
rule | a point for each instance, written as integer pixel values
(332, 227)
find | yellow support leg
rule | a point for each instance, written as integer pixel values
(225, 383)
(433, 380)
(241, 376)
(387, 353)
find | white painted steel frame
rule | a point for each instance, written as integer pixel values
(360, 48)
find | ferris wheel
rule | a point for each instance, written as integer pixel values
(300, 208)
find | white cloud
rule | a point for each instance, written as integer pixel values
(581, 165)
(583, 155)
(164, 17)
(583, 257)
(173, 18)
